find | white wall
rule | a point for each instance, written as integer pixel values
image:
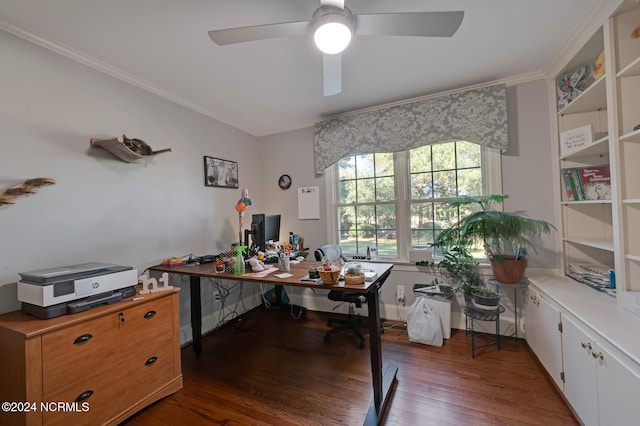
(103, 209)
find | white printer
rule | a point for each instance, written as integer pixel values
(47, 293)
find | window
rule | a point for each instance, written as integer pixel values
(391, 203)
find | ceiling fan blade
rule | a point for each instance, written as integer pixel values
(336, 3)
(259, 32)
(419, 24)
(332, 74)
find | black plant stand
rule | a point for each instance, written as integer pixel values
(515, 287)
(473, 313)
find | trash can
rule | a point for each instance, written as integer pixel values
(440, 298)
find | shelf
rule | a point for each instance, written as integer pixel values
(631, 137)
(632, 257)
(631, 201)
(600, 244)
(27, 187)
(598, 148)
(585, 202)
(592, 99)
(631, 70)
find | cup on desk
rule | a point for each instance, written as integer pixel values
(283, 263)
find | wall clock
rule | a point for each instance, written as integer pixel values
(284, 182)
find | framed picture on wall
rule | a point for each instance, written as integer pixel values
(220, 173)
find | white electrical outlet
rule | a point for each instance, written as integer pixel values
(400, 293)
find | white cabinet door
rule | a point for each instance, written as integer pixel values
(543, 335)
(618, 388)
(580, 383)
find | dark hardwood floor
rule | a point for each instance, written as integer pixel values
(271, 369)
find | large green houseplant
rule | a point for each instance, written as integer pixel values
(505, 237)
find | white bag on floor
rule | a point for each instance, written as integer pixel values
(423, 323)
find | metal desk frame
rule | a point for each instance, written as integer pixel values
(382, 382)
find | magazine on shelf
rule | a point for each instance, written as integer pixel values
(600, 277)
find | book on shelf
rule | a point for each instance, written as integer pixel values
(595, 182)
(571, 182)
(587, 183)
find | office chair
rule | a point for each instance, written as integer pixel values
(354, 321)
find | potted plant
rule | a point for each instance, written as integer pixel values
(458, 268)
(505, 237)
(483, 296)
(353, 273)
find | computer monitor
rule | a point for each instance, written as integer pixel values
(264, 228)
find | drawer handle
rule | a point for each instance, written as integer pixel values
(151, 361)
(150, 314)
(597, 355)
(84, 395)
(82, 339)
(585, 345)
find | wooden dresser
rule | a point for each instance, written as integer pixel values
(95, 367)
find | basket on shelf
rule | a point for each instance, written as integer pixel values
(329, 277)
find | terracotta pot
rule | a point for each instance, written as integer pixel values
(509, 271)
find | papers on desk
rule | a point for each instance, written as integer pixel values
(264, 273)
(283, 275)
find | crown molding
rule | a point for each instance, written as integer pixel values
(508, 82)
(89, 61)
(596, 17)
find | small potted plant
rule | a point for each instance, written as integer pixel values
(484, 296)
(505, 237)
(353, 273)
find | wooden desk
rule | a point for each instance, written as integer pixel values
(382, 383)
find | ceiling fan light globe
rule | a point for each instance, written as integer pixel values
(332, 37)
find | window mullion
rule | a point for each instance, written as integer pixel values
(403, 211)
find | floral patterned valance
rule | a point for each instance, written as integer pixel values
(477, 115)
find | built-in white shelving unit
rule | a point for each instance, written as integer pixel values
(605, 232)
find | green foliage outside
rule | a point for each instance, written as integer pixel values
(437, 173)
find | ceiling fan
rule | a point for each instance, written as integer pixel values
(333, 25)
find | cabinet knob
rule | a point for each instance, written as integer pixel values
(151, 361)
(84, 395)
(585, 345)
(598, 355)
(82, 339)
(150, 314)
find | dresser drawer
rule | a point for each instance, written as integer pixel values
(113, 389)
(85, 350)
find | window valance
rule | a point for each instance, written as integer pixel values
(476, 115)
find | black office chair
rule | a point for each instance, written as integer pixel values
(354, 321)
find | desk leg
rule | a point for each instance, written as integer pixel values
(381, 383)
(196, 314)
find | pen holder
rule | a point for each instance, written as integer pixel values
(283, 264)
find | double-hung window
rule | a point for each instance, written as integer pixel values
(391, 203)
